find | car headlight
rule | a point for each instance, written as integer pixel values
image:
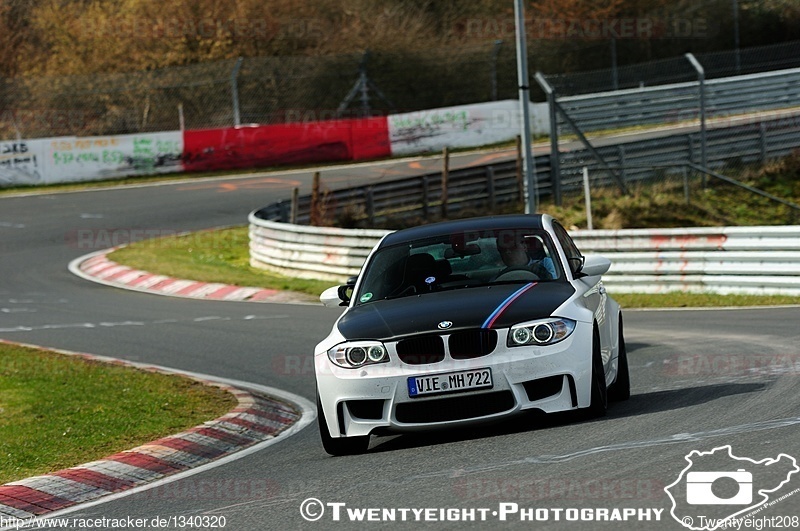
(542, 332)
(357, 354)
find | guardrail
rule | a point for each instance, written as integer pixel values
(725, 260)
(680, 101)
(301, 251)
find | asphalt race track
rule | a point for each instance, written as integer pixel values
(700, 380)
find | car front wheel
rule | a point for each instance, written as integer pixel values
(340, 445)
(599, 405)
(621, 388)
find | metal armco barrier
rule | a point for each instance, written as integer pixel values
(679, 101)
(725, 260)
(301, 251)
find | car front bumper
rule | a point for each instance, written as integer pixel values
(375, 398)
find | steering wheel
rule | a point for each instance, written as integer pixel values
(517, 273)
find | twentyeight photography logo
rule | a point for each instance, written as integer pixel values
(718, 489)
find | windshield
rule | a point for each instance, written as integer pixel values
(459, 261)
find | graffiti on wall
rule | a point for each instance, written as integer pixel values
(19, 163)
(112, 156)
(72, 159)
(455, 127)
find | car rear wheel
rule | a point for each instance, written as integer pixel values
(339, 445)
(599, 405)
(621, 388)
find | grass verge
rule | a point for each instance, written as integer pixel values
(58, 411)
(700, 300)
(210, 256)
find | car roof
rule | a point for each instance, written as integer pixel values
(433, 230)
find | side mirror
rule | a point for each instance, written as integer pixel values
(338, 295)
(330, 297)
(595, 265)
(576, 264)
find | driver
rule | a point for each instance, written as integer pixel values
(519, 251)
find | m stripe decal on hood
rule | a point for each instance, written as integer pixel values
(505, 304)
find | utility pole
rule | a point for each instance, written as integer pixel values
(525, 109)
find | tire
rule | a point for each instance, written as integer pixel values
(599, 404)
(341, 445)
(621, 388)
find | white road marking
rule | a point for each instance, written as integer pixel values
(9, 225)
(677, 438)
(108, 324)
(34, 301)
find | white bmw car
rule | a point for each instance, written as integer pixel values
(465, 322)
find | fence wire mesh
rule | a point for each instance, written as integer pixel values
(739, 127)
(268, 89)
(292, 89)
(678, 70)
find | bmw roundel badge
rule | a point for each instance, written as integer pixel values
(444, 325)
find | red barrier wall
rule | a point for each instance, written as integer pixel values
(272, 145)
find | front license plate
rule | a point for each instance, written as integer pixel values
(449, 382)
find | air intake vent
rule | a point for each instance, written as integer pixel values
(366, 409)
(543, 387)
(454, 408)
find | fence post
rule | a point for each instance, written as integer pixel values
(614, 72)
(587, 196)
(555, 160)
(621, 155)
(495, 52)
(181, 121)
(701, 79)
(314, 217)
(370, 202)
(445, 176)
(284, 213)
(762, 137)
(686, 185)
(237, 119)
(295, 204)
(490, 188)
(520, 186)
(525, 108)
(425, 200)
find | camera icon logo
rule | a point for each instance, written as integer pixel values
(699, 488)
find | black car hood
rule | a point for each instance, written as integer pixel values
(496, 306)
